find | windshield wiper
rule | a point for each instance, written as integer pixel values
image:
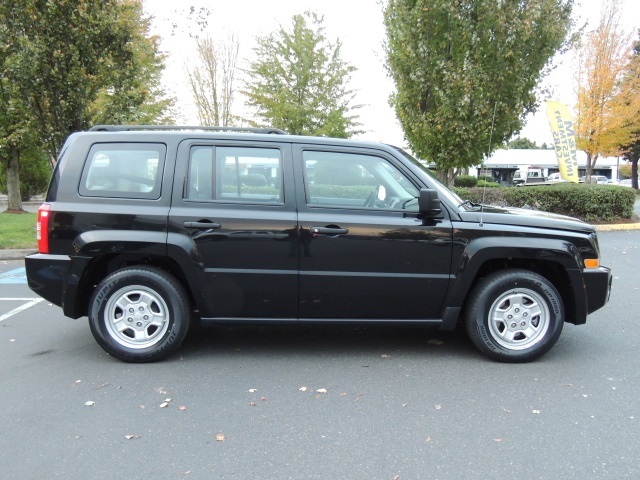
(470, 204)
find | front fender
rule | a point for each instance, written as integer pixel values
(478, 251)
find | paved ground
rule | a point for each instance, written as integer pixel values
(380, 403)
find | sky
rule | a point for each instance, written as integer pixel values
(359, 26)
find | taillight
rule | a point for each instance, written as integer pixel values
(42, 228)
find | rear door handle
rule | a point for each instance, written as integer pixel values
(329, 230)
(202, 225)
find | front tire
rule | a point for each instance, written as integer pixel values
(139, 314)
(514, 315)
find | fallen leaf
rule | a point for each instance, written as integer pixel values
(385, 356)
(396, 477)
(131, 437)
(536, 412)
(219, 437)
(164, 404)
(102, 385)
(303, 389)
(12, 339)
(321, 390)
(506, 411)
(90, 403)
(253, 390)
(252, 404)
(182, 408)
(497, 439)
(438, 407)
(264, 399)
(428, 439)
(187, 472)
(141, 406)
(343, 394)
(167, 400)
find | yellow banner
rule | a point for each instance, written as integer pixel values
(564, 140)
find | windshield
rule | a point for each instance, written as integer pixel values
(443, 191)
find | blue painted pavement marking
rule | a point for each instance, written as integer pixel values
(14, 276)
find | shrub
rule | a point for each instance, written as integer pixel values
(591, 203)
(465, 181)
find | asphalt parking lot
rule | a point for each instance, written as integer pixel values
(320, 402)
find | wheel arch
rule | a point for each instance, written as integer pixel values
(555, 260)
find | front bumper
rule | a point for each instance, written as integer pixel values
(597, 283)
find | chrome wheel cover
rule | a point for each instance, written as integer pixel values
(519, 319)
(136, 317)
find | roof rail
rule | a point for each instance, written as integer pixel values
(126, 128)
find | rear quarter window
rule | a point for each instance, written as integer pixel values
(123, 170)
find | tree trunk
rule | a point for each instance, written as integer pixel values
(13, 180)
(634, 173)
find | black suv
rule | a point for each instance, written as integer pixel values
(146, 228)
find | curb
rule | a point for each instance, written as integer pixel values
(617, 227)
(15, 254)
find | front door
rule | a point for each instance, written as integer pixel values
(364, 254)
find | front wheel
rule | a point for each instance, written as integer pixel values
(514, 315)
(139, 314)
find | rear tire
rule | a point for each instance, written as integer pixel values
(514, 315)
(139, 314)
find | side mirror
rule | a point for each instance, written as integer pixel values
(429, 202)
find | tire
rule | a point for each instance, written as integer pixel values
(514, 315)
(139, 314)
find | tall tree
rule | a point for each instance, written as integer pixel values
(71, 63)
(466, 71)
(299, 82)
(632, 149)
(212, 80)
(608, 86)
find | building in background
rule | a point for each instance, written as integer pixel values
(502, 164)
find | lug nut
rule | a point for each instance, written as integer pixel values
(523, 324)
(509, 317)
(131, 310)
(139, 324)
(146, 317)
(129, 319)
(525, 314)
(513, 325)
(517, 310)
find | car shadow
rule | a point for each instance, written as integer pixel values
(277, 339)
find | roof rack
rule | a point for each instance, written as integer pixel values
(126, 128)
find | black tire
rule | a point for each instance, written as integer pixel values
(514, 315)
(139, 314)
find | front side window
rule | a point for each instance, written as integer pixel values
(123, 170)
(339, 179)
(235, 174)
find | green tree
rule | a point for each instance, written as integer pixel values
(67, 64)
(299, 83)
(466, 71)
(522, 143)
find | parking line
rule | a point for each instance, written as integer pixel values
(30, 303)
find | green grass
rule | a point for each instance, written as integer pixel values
(17, 230)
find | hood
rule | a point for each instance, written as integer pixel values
(491, 214)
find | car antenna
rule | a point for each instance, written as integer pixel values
(484, 187)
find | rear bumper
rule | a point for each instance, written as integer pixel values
(597, 283)
(55, 279)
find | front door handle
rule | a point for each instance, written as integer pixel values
(202, 225)
(329, 230)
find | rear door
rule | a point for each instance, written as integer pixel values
(364, 253)
(239, 216)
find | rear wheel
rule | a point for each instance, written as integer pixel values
(139, 314)
(514, 315)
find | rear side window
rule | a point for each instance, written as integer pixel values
(123, 170)
(235, 174)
